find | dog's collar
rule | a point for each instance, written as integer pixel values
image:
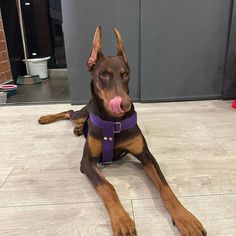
(110, 128)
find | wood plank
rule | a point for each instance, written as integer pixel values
(34, 187)
(85, 219)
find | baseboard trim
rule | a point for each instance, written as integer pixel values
(182, 99)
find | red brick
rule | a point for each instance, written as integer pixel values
(2, 37)
(8, 75)
(2, 77)
(2, 46)
(1, 25)
(4, 66)
(4, 56)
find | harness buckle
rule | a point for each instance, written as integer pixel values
(117, 127)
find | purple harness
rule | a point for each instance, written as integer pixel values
(110, 128)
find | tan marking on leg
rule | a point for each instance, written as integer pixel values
(134, 145)
(120, 219)
(95, 146)
(109, 195)
(170, 200)
(80, 121)
(167, 195)
(55, 117)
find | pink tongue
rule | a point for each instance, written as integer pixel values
(115, 105)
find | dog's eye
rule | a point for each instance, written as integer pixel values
(126, 76)
(104, 75)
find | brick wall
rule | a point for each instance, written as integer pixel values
(5, 69)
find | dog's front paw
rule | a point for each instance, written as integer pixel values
(78, 130)
(187, 224)
(123, 225)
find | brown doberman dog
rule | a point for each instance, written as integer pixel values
(111, 103)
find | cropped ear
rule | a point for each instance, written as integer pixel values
(120, 47)
(96, 51)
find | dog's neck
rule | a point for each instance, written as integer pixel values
(97, 107)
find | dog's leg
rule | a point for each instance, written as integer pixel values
(186, 223)
(122, 224)
(77, 117)
(55, 117)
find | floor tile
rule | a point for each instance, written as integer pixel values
(31, 187)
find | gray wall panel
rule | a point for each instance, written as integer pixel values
(80, 19)
(229, 88)
(183, 45)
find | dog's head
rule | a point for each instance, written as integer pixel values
(110, 76)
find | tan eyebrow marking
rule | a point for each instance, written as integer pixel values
(122, 70)
(109, 70)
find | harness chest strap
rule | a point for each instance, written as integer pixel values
(109, 128)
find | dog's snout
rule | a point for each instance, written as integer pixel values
(119, 105)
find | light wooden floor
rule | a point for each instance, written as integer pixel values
(42, 191)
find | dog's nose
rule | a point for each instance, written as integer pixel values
(125, 106)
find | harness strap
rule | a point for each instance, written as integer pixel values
(110, 128)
